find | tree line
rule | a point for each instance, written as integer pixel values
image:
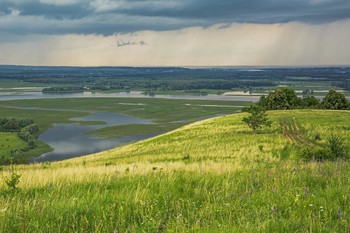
(62, 89)
(160, 85)
(26, 130)
(284, 98)
(14, 124)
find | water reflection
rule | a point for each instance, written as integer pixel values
(132, 94)
(71, 140)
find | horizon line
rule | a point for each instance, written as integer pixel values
(187, 67)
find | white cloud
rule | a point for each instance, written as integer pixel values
(105, 5)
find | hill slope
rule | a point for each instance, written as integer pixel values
(210, 176)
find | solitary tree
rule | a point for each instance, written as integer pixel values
(257, 118)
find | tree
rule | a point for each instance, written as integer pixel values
(292, 98)
(257, 118)
(278, 100)
(310, 102)
(334, 100)
(281, 98)
(11, 125)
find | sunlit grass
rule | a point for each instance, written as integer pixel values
(8, 142)
(210, 176)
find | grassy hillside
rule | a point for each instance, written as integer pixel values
(210, 176)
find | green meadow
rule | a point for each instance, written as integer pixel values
(9, 142)
(167, 114)
(213, 175)
(46, 112)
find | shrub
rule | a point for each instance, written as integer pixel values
(335, 144)
(317, 153)
(12, 180)
(333, 149)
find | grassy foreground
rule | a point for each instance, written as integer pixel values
(210, 176)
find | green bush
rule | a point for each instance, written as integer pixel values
(13, 179)
(316, 153)
(333, 149)
(335, 144)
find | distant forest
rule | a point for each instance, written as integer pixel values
(170, 78)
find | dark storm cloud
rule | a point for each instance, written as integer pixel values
(119, 16)
(37, 8)
(253, 11)
(74, 11)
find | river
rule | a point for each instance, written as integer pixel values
(18, 95)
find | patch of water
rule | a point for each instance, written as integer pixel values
(133, 94)
(71, 140)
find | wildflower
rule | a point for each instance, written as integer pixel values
(115, 231)
(311, 205)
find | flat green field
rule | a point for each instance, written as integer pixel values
(210, 176)
(167, 114)
(9, 142)
(45, 112)
(13, 85)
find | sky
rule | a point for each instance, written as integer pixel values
(175, 32)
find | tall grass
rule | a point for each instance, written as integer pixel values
(210, 176)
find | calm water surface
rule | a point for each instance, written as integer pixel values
(71, 140)
(133, 94)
